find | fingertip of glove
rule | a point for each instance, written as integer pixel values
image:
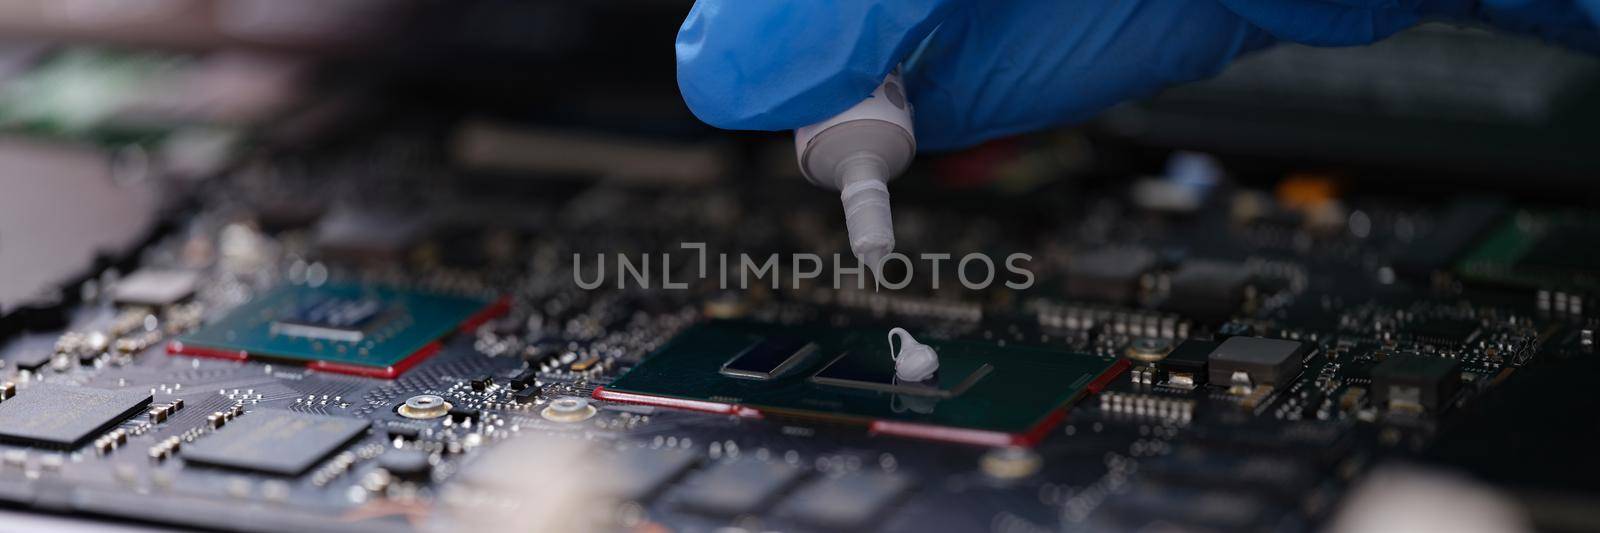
(779, 65)
(709, 102)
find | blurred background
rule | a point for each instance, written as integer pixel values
(122, 107)
(176, 76)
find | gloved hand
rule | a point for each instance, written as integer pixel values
(980, 69)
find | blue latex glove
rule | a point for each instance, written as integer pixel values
(980, 69)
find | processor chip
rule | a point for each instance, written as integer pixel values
(275, 442)
(332, 318)
(982, 394)
(62, 416)
(350, 329)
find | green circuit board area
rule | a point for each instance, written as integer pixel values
(847, 375)
(1556, 249)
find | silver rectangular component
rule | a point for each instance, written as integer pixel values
(769, 358)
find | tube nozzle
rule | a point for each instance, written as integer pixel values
(857, 152)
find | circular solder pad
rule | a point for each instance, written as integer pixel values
(568, 409)
(1148, 350)
(424, 407)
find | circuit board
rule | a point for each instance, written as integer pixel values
(319, 350)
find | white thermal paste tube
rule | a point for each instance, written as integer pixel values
(856, 153)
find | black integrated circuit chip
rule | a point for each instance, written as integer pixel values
(1210, 291)
(1257, 361)
(637, 474)
(275, 442)
(1417, 383)
(1109, 275)
(30, 352)
(1185, 366)
(739, 487)
(848, 502)
(64, 416)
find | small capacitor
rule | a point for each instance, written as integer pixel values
(856, 153)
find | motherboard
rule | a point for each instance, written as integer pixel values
(326, 343)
